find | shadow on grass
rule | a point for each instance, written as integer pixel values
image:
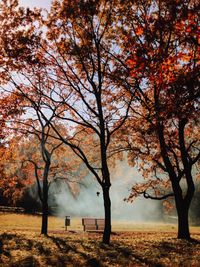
(194, 241)
(66, 254)
(6, 238)
(64, 247)
(26, 262)
(128, 253)
(10, 242)
(61, 244)
(117, 253)
(66, 251)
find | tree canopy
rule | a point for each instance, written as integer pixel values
(103, 77)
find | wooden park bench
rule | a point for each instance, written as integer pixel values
(93, 224)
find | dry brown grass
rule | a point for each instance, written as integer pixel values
(140, 245)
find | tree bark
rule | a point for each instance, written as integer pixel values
(107, 209)
(183, 222)
(182, 202)
(45, 207)
(45, 210)
(182, 207)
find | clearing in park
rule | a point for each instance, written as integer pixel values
(132, 244)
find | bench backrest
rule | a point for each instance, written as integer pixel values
(100, 221)
(93, 224)
(96, 221)
(86, 221)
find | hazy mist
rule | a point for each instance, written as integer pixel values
(87, 203)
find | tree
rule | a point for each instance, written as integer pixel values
(19, 43)
(47, 150)
(42, 148)
(23, 165)
(82, 48)
(74, 65)
(24, 72)
(163, 62)
(48, 168)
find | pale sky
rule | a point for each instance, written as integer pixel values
(35, 3)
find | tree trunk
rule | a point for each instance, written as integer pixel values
(107, 209)
(183, 221)
(45, 207)
(182, 207)
(182, 202)
(44, 217)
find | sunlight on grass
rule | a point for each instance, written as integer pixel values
(11, 221)
(132, 244)
(28, 222)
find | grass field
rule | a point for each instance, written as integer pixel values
(131, 244)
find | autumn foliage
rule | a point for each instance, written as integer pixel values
(164, 122)
(92, 79)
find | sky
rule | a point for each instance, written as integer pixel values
(35, 3)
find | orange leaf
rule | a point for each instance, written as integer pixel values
(139, 31)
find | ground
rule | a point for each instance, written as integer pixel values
(131, 244)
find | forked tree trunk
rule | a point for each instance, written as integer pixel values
(182, 202)
(182, 207)
(107, 210)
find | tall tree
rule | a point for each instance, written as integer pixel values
(25, 71)
(19, 43)
(82, 48)
(24, 163)
(163, 62)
